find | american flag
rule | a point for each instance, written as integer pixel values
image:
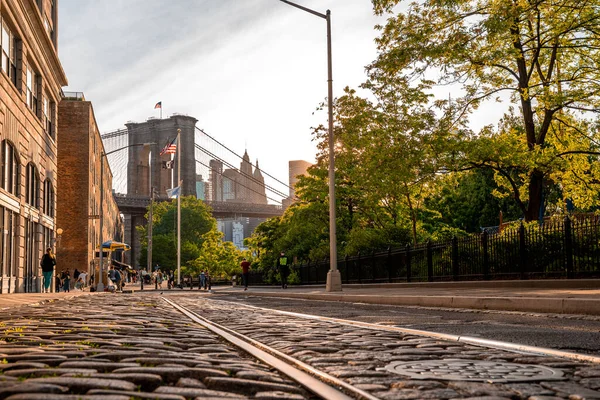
(170, 148)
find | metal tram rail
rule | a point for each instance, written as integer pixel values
(320, 383)
(481, 342)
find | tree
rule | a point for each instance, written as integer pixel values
(196, 222)
(219, 258)
(544, 53)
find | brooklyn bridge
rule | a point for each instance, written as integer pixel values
(240, 194)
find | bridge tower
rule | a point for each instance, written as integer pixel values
(161, 132)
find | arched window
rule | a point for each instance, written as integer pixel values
(32, 186)
(48, 198)
(10, 172)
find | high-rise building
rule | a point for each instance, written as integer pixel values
(30, 90)
(246, 185)
(296, 169)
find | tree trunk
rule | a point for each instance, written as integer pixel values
(536, 187)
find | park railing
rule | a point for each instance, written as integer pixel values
(559, 248)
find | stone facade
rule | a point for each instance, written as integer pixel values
(31, 78)
(161, 132)
(84, 174)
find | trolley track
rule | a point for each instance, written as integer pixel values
(372, 357)
(495, 344)
(312, 379)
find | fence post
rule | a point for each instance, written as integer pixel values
(486, 255)
(347, 270)
(454, 258)
(522, 252)
(408, 266)
(429, 262)
(569, 248)
(359, 269)
(389, 263)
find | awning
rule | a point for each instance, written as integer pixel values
(112, 245)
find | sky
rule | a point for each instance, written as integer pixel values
(251, 71)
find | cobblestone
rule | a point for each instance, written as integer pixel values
(108, 349)
(357, 355)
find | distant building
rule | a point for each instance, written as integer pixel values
(84, 176)
(31, 77)
(246, 185)
(200, 188)
(296, 169)
(237, 229)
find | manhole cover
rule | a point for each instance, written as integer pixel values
(474, 370)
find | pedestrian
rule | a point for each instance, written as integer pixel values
(159, 278)
(171, 279)
(76, 274)
(66, 278)
(57, 283)
(245, 273)
(47, 263)
(207, 285)
(202, 281)
(118, 280)
(284, 269)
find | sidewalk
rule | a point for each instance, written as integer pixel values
(561, 297)
(18, 299)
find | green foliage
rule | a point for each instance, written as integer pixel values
(539, 56)
(466, 201)
(408, 166)
(202, 245)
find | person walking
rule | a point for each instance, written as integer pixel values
(284, 269)
(47, 263)
(202, 281)
(245, 273)
(76, 274)
(66, 278)
(159, 278)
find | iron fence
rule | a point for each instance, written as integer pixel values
(568, 248)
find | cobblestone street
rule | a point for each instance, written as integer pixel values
(137, 346)
(121, 347)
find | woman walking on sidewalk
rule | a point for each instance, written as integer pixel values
(47, 263)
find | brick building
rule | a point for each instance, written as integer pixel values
(83, 175)
(31, 78)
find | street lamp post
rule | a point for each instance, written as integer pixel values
(100, 284)
(334, 279)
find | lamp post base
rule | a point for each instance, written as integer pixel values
(100, 287)
(334, 281)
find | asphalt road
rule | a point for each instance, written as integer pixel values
(579, 334)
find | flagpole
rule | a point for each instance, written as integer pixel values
(179, 208)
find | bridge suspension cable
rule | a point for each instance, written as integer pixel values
(245, 175)
(240, 157)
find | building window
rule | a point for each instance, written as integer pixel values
(8, 44)
(10, 172)
(32, 186)
(33, 86)
(48, 110)
(48, 198)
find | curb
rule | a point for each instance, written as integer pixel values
(524, 304)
